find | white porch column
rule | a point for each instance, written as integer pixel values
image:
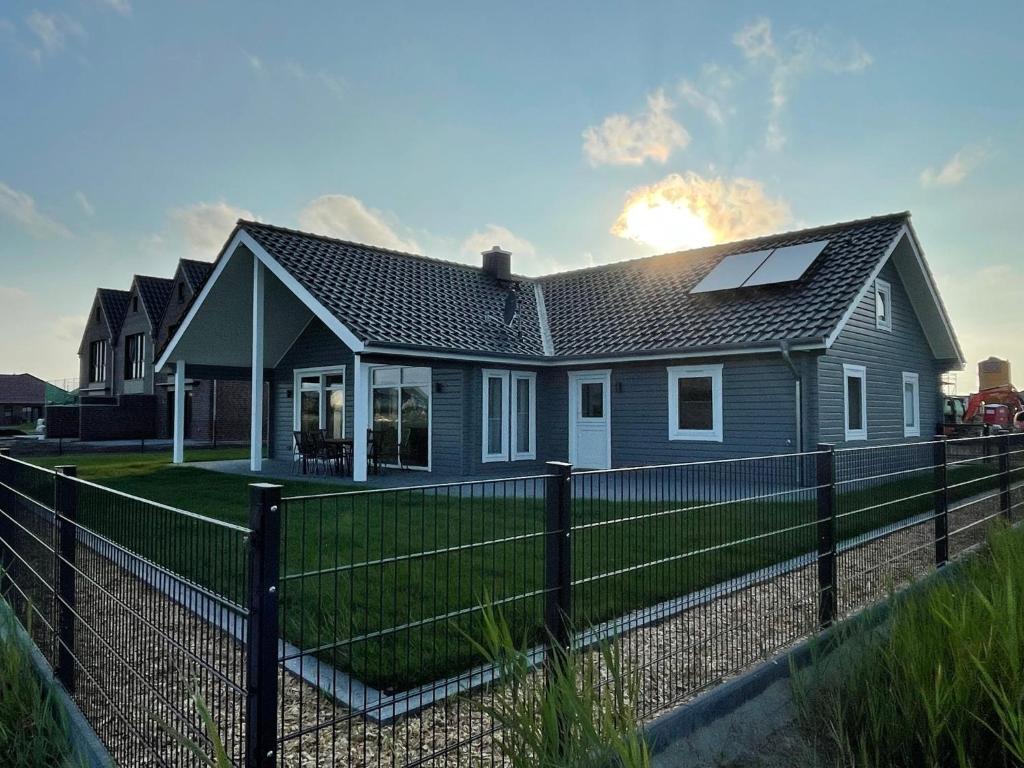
(360, 417)
(179, 412)
(256, 417)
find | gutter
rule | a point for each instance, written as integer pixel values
(798, 395)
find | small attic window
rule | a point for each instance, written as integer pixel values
(97, 313)
(181, 293)
(883, 305)
(135, 303)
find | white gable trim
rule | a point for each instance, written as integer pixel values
(905, 231)
(244, 238)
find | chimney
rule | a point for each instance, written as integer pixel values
(498, 264)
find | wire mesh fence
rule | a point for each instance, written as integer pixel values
(341, 628)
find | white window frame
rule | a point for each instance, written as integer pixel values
(883, 288)
(98, 362)
(856, 372)
(677, 372)
(531, 452)
(509, 422)
(914, 380)
(322, 372)
(137, 364)
(401, 380)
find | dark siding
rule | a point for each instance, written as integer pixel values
(758, 407)
(886, 355)
(134, 322)
(316, 346)
(95, 330)
(446, 418)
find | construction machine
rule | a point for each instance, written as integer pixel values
(995, 409)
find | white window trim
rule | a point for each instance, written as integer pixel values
(502, 455)
(858, 372)
(323, 372)
(677, 372)
(428, 386)
(531, 452)
(883, 287)
(915, 379)
(509, 422)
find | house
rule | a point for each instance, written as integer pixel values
(22, 398)
(771, 345)
(121, 394)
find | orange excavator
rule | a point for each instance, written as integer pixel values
(997, 408)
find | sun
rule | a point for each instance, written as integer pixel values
(667, 225)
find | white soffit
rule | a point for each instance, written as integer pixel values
(732, 271)
(787, 264)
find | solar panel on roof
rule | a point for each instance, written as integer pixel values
(786, 264)
(732, 271)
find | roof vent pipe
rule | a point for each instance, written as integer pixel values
(498, 264)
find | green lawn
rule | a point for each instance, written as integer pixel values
(366, 578)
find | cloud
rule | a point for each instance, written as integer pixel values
(800, 53)
(689, 211)
(21, 208)
(124, 7)
(53, 31)
(334, 85)
(347, 218)
(709, 93)
(84, 202)
(254, 61)
(525, 260)
(625, 140)
(957, 168)
(205, 226)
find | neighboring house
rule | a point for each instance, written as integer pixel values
(119, 386)
(22, 398)
(771, 345)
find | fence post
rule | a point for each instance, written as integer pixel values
(558, 553)
(941, 500)
(66, 534)
(261, 636)
(6, 530)
(1004, 475)
(827, 602)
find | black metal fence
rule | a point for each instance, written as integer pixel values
(340, 628)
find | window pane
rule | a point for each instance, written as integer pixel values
(592, 400)
(309, 382)
(385, 422)
(909, 411)
(416, 376)
(415, 421)
(335, 413)
(385, 376)
(522, 416)
(335, 380)
(309, 410)
(854, 386)
(696, 406)
(882, 304)
(494, 421)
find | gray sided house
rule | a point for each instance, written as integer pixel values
(771, 345)
(121, 394)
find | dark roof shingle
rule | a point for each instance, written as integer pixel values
(21, 389)
(115, 305)
(196, 272)
(155, 293)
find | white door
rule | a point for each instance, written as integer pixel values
(590, 419)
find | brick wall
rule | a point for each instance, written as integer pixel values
(62, 421)
(219, 412)
(133, 418)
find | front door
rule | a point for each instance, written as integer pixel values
(590, 419)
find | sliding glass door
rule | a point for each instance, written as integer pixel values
(321, 401)
(401, 413)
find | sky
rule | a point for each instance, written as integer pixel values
(135, 133)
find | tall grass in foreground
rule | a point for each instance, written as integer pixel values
(561, 717)
(34, 728)
(941, 684)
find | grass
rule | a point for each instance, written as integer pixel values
(941, 685)
(34, 728)
(350, 613)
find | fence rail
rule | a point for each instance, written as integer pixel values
(339, 628)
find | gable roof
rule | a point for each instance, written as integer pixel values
(645, 305)
(21, 388)
(195, 272)
(115, 304)
(399, 299)
(155, 293)
(380, 300)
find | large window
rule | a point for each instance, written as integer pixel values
(400, 401)
(320, 400)
(509, 415)
(855, 402)
(883, 305)
(911, 405)
(98, 361)
(134, 356)
(695, 402)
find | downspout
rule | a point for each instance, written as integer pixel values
(798, 394)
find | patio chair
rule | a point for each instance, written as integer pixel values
(335, 453)
(381, 449)
(305, 450)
